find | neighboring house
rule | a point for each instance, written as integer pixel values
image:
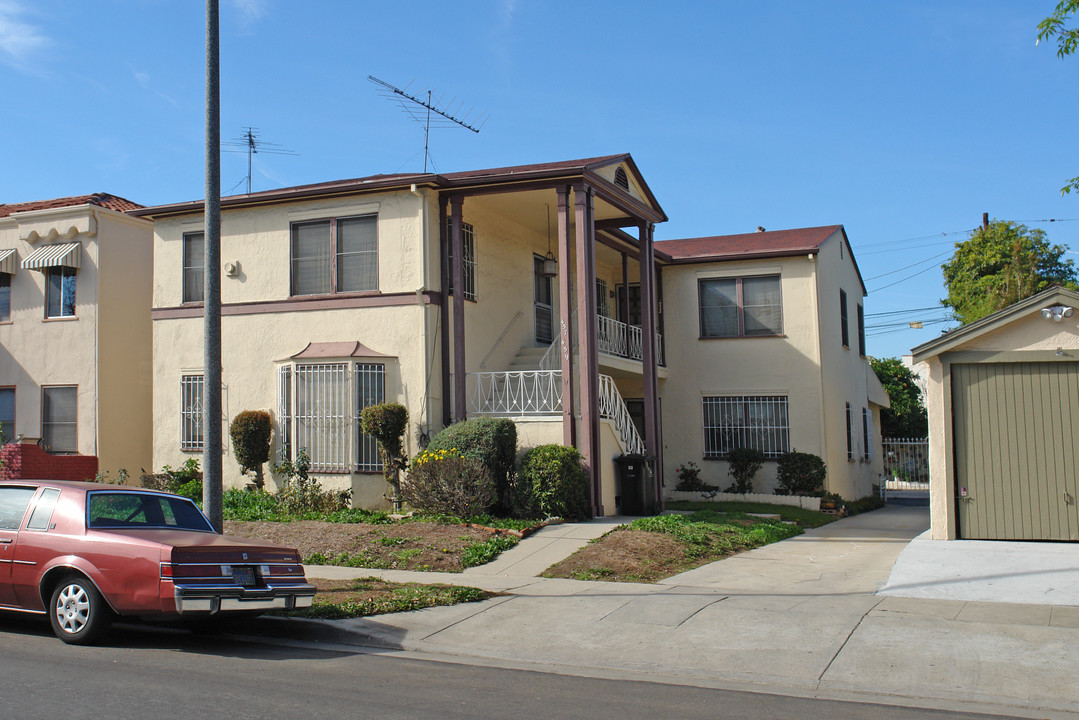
(75, 278)
(512, 291)
(765, 340)
(1003, 402)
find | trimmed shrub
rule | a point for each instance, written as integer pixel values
(443, 482)
(743, 464)
(387, 424)
(800, 473)
(492, 441)
(689, 479)
(185, 480)
(300, 493)
(250, 433)
(552, 482)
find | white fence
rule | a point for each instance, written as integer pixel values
(523, 392)
(906, 464)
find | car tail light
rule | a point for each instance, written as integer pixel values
(166, 571)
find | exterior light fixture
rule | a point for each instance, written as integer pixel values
(550, 265)
(1057, 313)
(916, 324)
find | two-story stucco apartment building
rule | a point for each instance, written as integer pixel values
(75, 335)
(533, 292)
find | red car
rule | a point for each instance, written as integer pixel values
(84, 553)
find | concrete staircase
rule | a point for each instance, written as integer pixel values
(528, 358)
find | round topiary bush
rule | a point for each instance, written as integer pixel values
(250, 433)
(801, 473)
(552, 482)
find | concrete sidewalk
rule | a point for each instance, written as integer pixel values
(797, 617)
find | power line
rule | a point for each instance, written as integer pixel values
(907, 267)
(903, 312)
(908, 277)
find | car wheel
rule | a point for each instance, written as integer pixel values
(78, 613)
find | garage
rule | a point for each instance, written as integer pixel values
(1016, 437)
(1003, 403)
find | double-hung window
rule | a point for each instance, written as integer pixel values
(319, 412)
(861, 330)
(5, 297)
(867, 435)
(60, 291)
(193, 267)
(760, 422)
(740, 306)
(468, 244)
(850, 434)
(843, 324)
(334, 256)
(59, 416)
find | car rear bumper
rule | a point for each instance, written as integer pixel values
(203, 599)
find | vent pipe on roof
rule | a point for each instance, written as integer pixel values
(760, 229)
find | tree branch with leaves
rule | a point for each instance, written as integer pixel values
(1067, 38)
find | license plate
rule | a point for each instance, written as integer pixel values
(243, 576)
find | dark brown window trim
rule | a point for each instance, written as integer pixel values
(742, 337)
(303, 303)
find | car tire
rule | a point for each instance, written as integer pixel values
(78, 613)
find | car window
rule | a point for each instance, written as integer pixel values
(143, 510)
(42, 514)
(13, 502)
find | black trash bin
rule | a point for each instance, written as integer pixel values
(635, 478)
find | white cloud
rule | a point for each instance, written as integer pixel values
(19, 40)
(249, 11)
(144, 79)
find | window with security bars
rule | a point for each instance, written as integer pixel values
(319, 411)
(468, 242)
(760, 422)
(334, 256)
(191, 436)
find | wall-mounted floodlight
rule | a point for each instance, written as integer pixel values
(1057, 313)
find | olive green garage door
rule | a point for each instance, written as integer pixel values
(1016, 431)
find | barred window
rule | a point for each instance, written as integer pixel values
(746, 421)
(319, 411)
(468, 242)
(191, 436)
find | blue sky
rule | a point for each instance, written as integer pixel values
(903, 121)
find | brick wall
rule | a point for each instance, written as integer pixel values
(30, 461)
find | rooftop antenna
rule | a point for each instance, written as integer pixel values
(252, 144)
(420, 110)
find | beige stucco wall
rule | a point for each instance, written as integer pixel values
(103, 349)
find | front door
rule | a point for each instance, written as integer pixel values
(542, 296)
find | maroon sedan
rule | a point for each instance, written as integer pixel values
(84, 553)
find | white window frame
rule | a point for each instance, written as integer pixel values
(46, 424)
(773, 439)
(192, 437)
(64, 272)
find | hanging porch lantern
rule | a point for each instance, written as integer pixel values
(550, 265)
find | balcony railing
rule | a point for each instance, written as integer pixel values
(613, 337)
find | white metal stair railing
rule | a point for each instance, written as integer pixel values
(522, 392)
(611, 337)
(552, 359)
(612, 407)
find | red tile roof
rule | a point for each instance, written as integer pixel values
(105, 200)
(777, 243)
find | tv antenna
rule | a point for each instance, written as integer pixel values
(420, 110)
(252, 144)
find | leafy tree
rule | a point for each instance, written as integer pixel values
(1067, 39)
(906, 418)
(1000, 265)
(387, 423)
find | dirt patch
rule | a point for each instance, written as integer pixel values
(625, 556)
(398, 546)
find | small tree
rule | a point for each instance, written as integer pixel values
(742, 465)
(386, 423)
(250, 433)
(906, 418)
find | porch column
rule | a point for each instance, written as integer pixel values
(648, 351)
(588, 353)
(565, 316)
(456, 238)
(444, 308)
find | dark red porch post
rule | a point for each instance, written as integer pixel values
(565, 317)
(648, 348)
(588, 353)
(456, 238)
(444, 309)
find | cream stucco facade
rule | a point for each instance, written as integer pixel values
(100, 347)
(806, 366)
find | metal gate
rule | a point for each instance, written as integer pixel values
(906, 469)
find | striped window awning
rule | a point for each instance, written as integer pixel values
(7, 261)
(47, 256)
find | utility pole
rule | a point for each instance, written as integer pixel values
(211, 362)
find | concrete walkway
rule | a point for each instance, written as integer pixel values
(799, 617)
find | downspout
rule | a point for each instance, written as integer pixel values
(422, 195)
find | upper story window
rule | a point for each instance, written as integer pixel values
(861, 330)
(741, 307)
(5, 297)
(193, 267)
(335, 256)
(850, 433)
(843, 324)
(60, 291)
(468, 243)
(59, 416)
